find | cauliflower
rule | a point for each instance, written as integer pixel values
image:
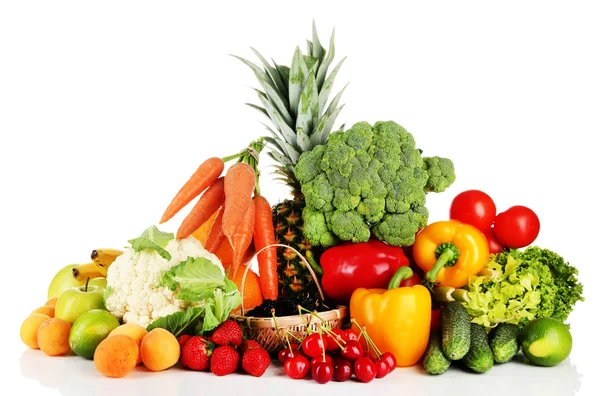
(133, 292)
(368, 180)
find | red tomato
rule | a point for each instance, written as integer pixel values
(517, 227)
(474, 207)
(494, 245)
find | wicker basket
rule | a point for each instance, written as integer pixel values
(270, 333)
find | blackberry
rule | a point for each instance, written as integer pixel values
(288, 305)
(264, 309)
(307, 301)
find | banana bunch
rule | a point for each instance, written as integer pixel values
(98, 267)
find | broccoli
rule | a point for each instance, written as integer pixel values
(368, 180)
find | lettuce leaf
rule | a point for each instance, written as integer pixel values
(153, 238)
(526, 284)
(178, 323)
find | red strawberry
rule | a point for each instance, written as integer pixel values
(183, 339)
(224, 360)
(228, 333)
(249, 344)
(255, 361)
(195, 354)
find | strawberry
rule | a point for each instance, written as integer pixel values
(224, 360)
(255, 361)
(249, 344)
(196, 353)
(183, 339)
(227, 333)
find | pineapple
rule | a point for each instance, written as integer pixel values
(296, 101)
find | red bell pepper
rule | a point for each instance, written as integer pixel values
(371, 265)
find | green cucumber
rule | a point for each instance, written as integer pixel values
(479, 358)
(434, 360)
(504, 342)
(455, 324)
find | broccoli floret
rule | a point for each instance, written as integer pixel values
(368, 179)
(440, 173)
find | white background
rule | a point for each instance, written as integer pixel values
(107, 107)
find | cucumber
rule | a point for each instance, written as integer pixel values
(479, 358)
(434, 360)
(455, 325)
(504, 342)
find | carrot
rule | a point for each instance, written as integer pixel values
(240, 180)
(215, 236)
(242, 238)
(206, 206)
(206, 174)
(264, 235)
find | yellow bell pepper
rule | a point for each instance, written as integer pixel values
(450, 252)
(397, 319)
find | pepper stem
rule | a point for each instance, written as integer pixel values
(447, 254)
(403, 273)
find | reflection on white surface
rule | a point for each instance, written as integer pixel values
(74, 376)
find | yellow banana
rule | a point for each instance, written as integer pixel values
(103, 258)
(84, 271)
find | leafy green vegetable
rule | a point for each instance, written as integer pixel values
(526, 284)
(199, 280)
(153, 238)
(178, 323)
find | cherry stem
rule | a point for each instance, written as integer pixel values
(370, 342)
(322, 343)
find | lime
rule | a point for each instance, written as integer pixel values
(546, 341)
(89, 330)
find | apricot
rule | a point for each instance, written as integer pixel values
(133, 330)
(29, 329)
(116, 356)
(53, 337)
(51, 302)
(44, 309)
(159, 349)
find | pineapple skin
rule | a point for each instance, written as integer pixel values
(294, 277)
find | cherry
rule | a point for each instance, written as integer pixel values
(364, 369)
(322, 372)
(350, 334)
(313, 345)
(334, 339)
(342, 370)
(353, 350)
(319, 359)
(382, 368)
(390, 359)
(296, 367)
(285, 354)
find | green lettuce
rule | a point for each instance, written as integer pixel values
(524, 285)
(153, 238)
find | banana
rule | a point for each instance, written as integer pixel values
(84, 271)
(103, 258)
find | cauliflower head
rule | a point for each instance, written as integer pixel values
(368, 180)
(133, 292)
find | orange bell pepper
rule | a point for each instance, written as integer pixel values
(450, 252)
(397, 319)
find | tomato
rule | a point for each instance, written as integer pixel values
(516, 227)
(494, 245)
(474, 207)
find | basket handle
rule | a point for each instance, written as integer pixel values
(304, 261)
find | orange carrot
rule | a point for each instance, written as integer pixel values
(215, 236)
(242, 238)
(240, 180)
(206, 206)
(264, 235)
(203, 177)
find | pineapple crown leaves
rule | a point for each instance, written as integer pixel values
(295, 100)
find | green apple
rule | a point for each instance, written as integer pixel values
(76, 301)
(62, 281)
(101, 282)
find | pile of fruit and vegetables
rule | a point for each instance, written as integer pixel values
(353, 236)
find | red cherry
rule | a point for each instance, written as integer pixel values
(342, 370)
(364, 369)
(352, 350)
(350, 334)
(334, 339)
(296, 367)
(322, 372)
(313, 345)
(390, 359)
(382, 368)
(285, 354)
(319, 359)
